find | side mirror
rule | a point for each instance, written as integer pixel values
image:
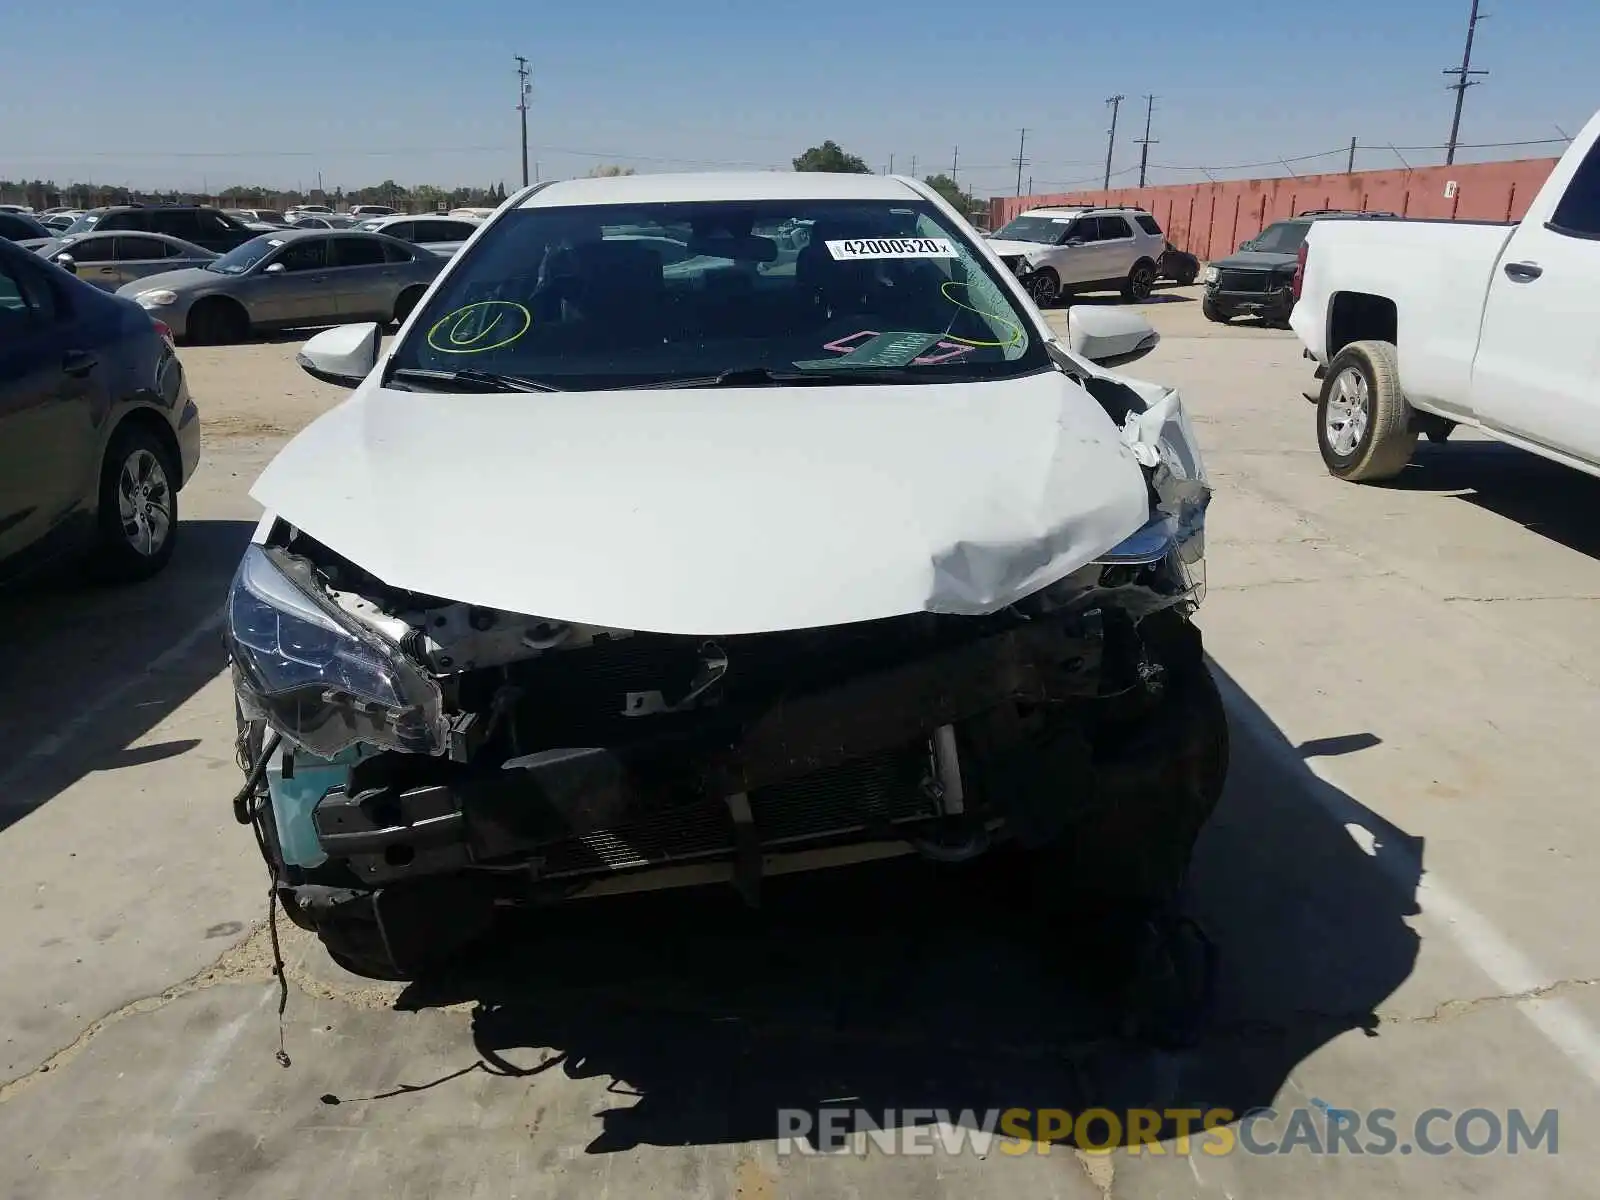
(67, 263)
(344, 355)
(1109, 337)
(1073, 241)
(273, 269)
(1244, 246)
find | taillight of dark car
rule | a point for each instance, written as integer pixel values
(1300, 270)
(165, 331)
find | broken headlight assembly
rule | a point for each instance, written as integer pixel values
(325, 683)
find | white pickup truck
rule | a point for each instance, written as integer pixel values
(1420, 326)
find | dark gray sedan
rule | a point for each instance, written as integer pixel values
(294, 277)
(109, 260)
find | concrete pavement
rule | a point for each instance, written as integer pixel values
(1398, 880)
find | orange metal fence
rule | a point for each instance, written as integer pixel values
(1211, 219)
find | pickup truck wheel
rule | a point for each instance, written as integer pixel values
(1363, 421)
(1212, 313)
(1044, 285)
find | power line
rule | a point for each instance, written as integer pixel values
(1462, 83)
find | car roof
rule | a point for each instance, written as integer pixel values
(725, 186)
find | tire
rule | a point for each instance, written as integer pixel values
(218, 322)
(1044, 285)
(407, 301)
(1212, 313)
(1187, 276)
(137, 514)
(1141, 281)
(1363, 421)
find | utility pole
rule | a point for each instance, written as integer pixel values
(1351, 166)
(1146, 143)
(1463, 81)
(890, 171)
(913, 166)
(955, 159)
(1021, 142)
(523, 88)
(1111, 142)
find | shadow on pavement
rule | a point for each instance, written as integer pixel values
(1546, 498)
(107, 664)
(901, 987)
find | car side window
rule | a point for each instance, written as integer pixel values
(214, 222)
(1578, 213)
(357, 252)
(92, 250)
(132, 219)
(180, 224)
(1084, 229)
(1112, 228)
(396, 253)
(406, 231)
(135, 249)
(1148, 224)
(306, 254)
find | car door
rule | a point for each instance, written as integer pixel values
(139, 257)
(302, 293)
(1074, 261)
(51, 390)
(94, 260)
(1536, 373)
(181, 223)
(406, 231)
(1116, 251)
(365, 281)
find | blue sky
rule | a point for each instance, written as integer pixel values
(363, 90)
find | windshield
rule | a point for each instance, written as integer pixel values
(1283, 238)
(84, 223)
(597, 297)
(1033, 229)
(242, 257)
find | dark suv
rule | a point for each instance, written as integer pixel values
(1258, 280)
(196, 223)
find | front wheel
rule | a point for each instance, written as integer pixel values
(1187, 276)
(408, 300)
(138, 506)
(1364, 425)
(1044, 285)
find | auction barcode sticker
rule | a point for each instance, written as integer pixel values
(892, 248)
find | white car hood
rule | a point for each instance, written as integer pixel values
(718, 510)
(1008, 247)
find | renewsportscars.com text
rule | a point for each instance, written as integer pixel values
(1318, 1130)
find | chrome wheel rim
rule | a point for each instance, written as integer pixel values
(1348, 412)
(1042, 288)
(144, 503)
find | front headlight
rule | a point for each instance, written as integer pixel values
(1211, 274)
(156, 299)
(312, 673)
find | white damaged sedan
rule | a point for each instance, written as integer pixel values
(648, 555)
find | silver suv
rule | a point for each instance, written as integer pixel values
(1059, 250)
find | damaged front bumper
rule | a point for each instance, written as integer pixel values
(1000, 721)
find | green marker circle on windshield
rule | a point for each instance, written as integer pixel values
(472, 328)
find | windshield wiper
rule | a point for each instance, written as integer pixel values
(470, 380)
(826, 377)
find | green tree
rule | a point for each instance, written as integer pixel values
(961, 201)
(830, 156)
(608, 171)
